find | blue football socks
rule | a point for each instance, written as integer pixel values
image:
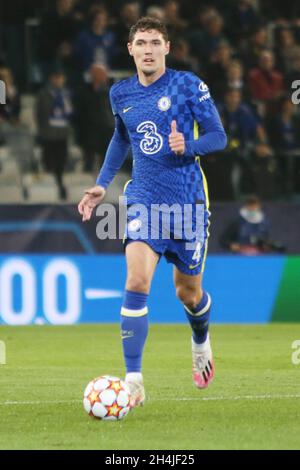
(199, 318)
(134, 329)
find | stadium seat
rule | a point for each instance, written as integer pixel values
(41, 188)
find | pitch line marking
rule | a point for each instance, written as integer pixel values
(221, 398)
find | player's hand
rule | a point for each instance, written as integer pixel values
(92, 197)
(176, 140)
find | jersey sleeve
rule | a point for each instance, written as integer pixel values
(212, 136)
(117, 150)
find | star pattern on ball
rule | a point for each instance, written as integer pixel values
(116, 386)
(113, 410)
(94, 397)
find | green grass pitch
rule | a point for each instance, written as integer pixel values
(254, 402)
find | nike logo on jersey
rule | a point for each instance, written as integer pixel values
(127, 109)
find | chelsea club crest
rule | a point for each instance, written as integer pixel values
(164, 103)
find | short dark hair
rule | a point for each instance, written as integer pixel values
(145, 24)
(251, 199)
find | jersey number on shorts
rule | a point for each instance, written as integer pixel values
(197, 253)
(152, 141)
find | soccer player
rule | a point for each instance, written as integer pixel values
(169, 119)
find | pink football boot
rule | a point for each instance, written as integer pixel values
(203, 364)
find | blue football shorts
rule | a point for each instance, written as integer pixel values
(180, 235)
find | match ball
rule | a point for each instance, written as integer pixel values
(107, 398)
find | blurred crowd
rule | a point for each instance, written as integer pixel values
(247, 51)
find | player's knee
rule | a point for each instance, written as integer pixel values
(187, 295)
(138, 284)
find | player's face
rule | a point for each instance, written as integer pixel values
(149, 50)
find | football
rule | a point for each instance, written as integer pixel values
(107, 398)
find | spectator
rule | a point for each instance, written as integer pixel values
(203, 14)
(242, 18)
(266, 84)
(245, 137)
(180, 58)
(235, 77)
(287, 49)
(156, 12)
(59, 27)
(294, 73)
(92, 117)
(251, 50)
(213, 35)
(129, 14)
(239, 119)
(250, 159)
(176, 26)
(11, 110)
(12, 44)
(285, 130)
(53, 113)
(250, 232)
(285, 137)
(217, 69)
(96, 44)
(233, 80)
(264, 171)
(206, 33)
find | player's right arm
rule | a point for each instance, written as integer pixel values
(114, 159)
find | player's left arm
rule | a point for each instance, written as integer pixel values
(213, 137)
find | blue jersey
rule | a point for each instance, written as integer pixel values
(143, 121)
